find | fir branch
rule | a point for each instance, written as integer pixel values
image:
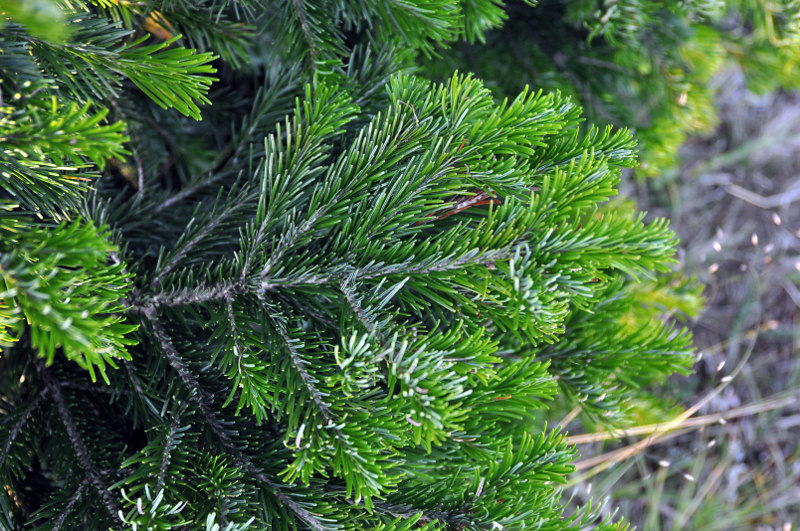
(191, 383)
(304, 514)
(428, 515)
(170, 76)
(422, 187)
(248, 260)
(174, 425)
(86, 388)
(355, 305)
(52, 151)
(202, 294)
(207, 179)
(185, 248)
(230, 154)
(387, 150)
(218, 292)
(296, 234)
(68, 508)
(198, 395)
(197, 295)
(308, 380)
(277, 489)
(68, 292)
(15, 430)
(234, 331)
(137, 385)
(92, 472)
(403, 380)
(448, 263)
(314, 280)
(301, 17)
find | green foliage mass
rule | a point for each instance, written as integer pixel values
(643, 64)
(347, 298)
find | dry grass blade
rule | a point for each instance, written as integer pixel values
(755, 408)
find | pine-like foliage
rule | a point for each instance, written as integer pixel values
(643, 64)
(347, 298)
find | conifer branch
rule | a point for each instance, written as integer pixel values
(278, 491)
(404, 331)
(86, 388)
(198, 394)
(304, 514)
(173, 429)
(313, 280)
(297, 233)
(191, 383)
(218, 292)
(355, 305)
(137, 385)
(68, 508)
(231, 153)
(287, 243)
(423, 186)
(234, 331)
(211, 177)
(406, 512)
(485, 258)
(197, 295)
(248, 260)
(92, 472)
(308, 380)
(301, 17)
(185, 248)
(15, 430)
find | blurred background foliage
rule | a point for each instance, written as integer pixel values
(643, 64)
